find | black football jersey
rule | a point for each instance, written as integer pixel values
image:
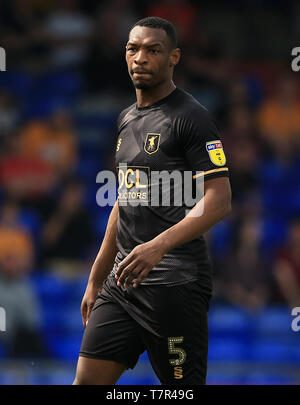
(176, 135)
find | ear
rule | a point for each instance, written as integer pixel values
(175, 56)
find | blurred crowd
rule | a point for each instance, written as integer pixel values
(65, 83)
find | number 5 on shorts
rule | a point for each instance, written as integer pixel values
(176, 350)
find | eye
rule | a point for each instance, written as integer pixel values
(131, 49)
(154, 51)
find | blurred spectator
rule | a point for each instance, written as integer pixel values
(14, 241)
(287, 267)
(67, 236)
(205, 59)
(245, 275)
(16, 296)
(279, 118)
(67, 31)
(238, 94)
(22, 177)
(208, 69)
(105, 67)
(243, 150)
(115, 17)
(181, 13)
(52, 141)
(20, 28)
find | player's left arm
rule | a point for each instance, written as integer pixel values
(212, 208)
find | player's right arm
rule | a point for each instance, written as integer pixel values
(102, 265)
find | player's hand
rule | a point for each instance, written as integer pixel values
(138, 263)
(88, 302)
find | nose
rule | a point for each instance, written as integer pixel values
(140, 57)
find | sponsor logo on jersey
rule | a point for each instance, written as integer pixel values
(133, 183)
(216, 152)
(151, 143)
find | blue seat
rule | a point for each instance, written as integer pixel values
(274, 321)
(77, 289)
(268, 351)
(51, 377)
(51, 289)
(228, 349)
(18, 82)
(295, 349)
(229, 321)
(71, 320)
(220, 237)
(224, 378)
(43, 106)
(67, 83)
(267, 378)
(64, 346)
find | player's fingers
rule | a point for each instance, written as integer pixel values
(140, 278)
(123, 264)
(126, 272)
(128, 259)
(132, 275)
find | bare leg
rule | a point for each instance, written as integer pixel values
(97, 372)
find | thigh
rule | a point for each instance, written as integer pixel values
(97, 371)
(111, 334)
(179, 354)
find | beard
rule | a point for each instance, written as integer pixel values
(143, 85)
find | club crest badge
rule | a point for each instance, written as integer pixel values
(216, 152)
(152, 143)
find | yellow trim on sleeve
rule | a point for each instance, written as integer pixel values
(211, 171)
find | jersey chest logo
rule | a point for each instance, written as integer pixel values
(152, 143)
(216, 153)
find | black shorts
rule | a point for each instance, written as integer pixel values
(170, 322)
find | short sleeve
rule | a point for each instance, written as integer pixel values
(201, 143)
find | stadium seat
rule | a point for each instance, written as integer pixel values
(229, 321)
(274, 321)
(64, 346)
(67, 83)
(264, 378)
(19, 83)
(268, 351)
(227, 349)
(43, 106)
(50, 376)
(51, 289)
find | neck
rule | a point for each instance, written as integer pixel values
(146, 97)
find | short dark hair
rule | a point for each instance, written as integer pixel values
(157, 22)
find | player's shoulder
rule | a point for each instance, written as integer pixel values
(186, 107)
(188, 113)
(124, 113)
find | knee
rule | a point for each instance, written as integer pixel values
(84, 378)
(80, 381)
(97, 372)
